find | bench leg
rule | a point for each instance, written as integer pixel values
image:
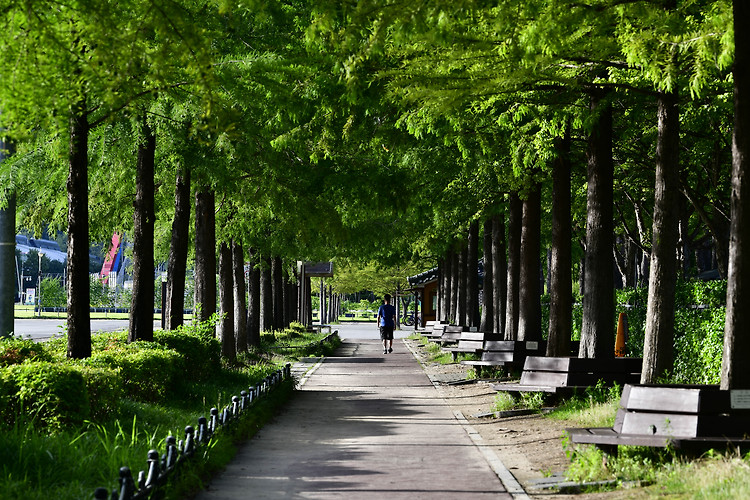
(454, 355)
(609, 450)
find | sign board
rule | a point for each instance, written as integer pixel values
(30, 296)
(319, 269)
(740, 399)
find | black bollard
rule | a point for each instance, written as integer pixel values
(203, 430)
(189, 445)
(127, 485)
(153, 469)
(214, 420)
(170, 457)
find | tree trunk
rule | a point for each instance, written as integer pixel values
(142, 302)
(79, 323)
(240, 294)
(277, 287)
(445, 298)
(488, 297)
(515, 210)
(560, 273)
(461, 297)
(205, 254)
(308, 300)
(529, 287)
(472, 285)
(7, 260)
(226, 302)
(659, 337)
(452, 318)
(253, 306)
(178, 252)
(499, 273)
(597, 332)
(735, 369)
(266, 296)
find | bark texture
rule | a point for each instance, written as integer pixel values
(452, 318)
(597, 332)
(499, 273)
(277, 274)
(529, 289)
(7, 261)
(142, 302)
(178, 252)
(515, 212)
(79, 293)
(658, 356)
(253, 305)
(488, 296)
(472, 283)
(239, 296)
(735, 369)
(266, 296)
(226, 302)
(205, 253)
(560, 269)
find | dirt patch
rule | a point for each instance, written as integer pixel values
(530, 446)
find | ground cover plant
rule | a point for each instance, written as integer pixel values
(68, 426)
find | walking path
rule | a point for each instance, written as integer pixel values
(365, 425)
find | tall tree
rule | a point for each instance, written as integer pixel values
(226, 302)
(735, 373)
(205, 253)
(500, 273)
(515, 212)
(597, 331)
(472, 288)
(488, 297)
(253, 305)
(239, 298)
(658, 346)
(142, 304)
(529, 288)
(178, 251)
(7, 258)
(561, 279)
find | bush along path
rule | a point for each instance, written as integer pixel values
(159, 469)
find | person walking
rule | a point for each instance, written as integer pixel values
(387, 322)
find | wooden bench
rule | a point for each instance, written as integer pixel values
(471, 343)
(689, 418)
(451, 335)
(506, 353)
(435, 332)
(565, 375)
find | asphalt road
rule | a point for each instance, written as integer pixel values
(43, 329)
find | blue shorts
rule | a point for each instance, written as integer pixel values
(386, 333)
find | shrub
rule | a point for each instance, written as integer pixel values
(51, 395)
(202, 355)
(53, 293)
(105, 392)
(148, 370)
(15, 351)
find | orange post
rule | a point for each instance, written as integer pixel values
(622, 334)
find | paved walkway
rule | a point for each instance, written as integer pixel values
(364, 425)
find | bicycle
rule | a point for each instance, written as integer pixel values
(409, 320)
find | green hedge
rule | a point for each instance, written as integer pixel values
(50, 395)
(148, 371)
(14, 351)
